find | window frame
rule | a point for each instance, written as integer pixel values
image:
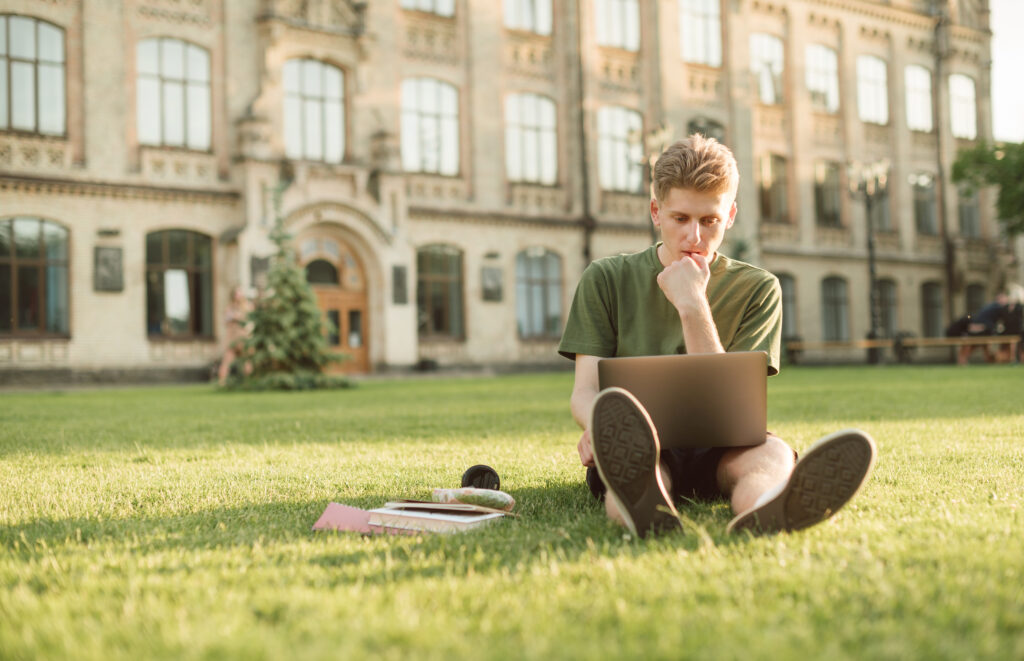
(528, 285)
(518, 136)
(932, 309)
(445, 8)
(533, 16)
(924, 203)
(193, 270)
(427, 119)
(322, 101)
(186, 83)
(700, 32)
(776, 192)
(828, 204)
(821, 77)
(968, 213)
(888, 306)
(835, 309)
(918, 87)
(617, 24)
(872, 90)
(963, 111)
(787, 287)
(767, 51)
(424, 307)
(7, 67)
(42, 263)
(620, 167)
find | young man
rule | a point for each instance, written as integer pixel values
(682, 296)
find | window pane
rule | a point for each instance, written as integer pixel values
(28, 298)
(311, 78)
(198, 65)
(4, 119)
(449, 147)
(177, 244)
(172, 58)
(148, 110)
(334, 138)
(411, 158)
(155, 302)
(312, 125)
(147, 56)
(199, 116)
(5, 238)
(549, 158)
(332, 83)
(177, 308)
(26, 237)
(155, 248)
(202, 303)
(23, 96)
(55, 239)
(355, 328)
(51, 99)
(57, 299)
(513, 154)
(3, 35)
(293, 127)
(173, 114)
(201, 245)
(292, 84)
(23, 37)
(51, 43)
(6, 313)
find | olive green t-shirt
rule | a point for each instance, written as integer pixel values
(619, 310)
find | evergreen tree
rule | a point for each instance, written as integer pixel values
(285, 348)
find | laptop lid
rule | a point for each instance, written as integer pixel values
(699, 400)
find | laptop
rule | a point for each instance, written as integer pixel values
(699, 400)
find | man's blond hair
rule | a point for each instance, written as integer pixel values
(697, 163)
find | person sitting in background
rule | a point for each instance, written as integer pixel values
(992, 319)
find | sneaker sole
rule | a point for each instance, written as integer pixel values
(626, 453)
(825, 479)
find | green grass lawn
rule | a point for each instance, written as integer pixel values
(175, 523)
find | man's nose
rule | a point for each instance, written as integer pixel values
(694, 232)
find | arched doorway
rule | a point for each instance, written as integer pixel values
(338, 280)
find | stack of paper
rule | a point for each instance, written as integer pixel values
(408, 516)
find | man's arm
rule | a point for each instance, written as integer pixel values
(684, 283)
(584, 390)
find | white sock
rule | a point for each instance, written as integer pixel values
(771, 493)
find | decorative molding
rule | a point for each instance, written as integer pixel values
(436, 188)
(703, 83)
(772, 8)
(771, 121)
(833, 237)
(624, 205)
(779, 233)
(431, 38)
(878, 134)
(529, 55)
(827, 129)
(619, 70)
(187, 12)
(495, 218)
(28, 153)
(178, 167)
(537, 200)
(30, 184)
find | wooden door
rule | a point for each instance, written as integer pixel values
(347, 313)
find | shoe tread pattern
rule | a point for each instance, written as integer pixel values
(626, 447)
(826, 480)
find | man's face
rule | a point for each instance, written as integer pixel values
(692, 222)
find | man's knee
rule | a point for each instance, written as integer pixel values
(771, 457)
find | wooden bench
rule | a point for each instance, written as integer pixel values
(901, 346)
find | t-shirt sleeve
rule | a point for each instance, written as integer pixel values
(761, 328)
(590, 328)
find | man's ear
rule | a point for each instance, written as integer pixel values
(654, 212)
(732, 216)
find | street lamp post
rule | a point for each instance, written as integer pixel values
(870, 181)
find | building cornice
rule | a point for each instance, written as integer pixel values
(875, 10)
(31, 184)
(499, 218)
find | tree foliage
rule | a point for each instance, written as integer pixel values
(996, 165)
(285, 348)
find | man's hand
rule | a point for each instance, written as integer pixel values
(585, 449)
(685, 281)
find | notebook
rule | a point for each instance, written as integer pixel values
(700, 400)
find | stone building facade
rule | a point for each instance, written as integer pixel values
(447, 168)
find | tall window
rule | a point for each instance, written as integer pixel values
(173, 94)
(430, 126)
(618, 24)
(931, 310)
(439, 7)
(963, 109)
(531, 152)
(708, 128)
(822, 77)
(179, 284)
(619, 149)
(967, 208)
(539, 293)
(700, 25)
(880, 216)
(32, 92)
(33, 277)
(887, 306)
(925, 218)
(834, 309)
(439, 292)
(773, 185)
(529, 15)
(766, 64)
(872, 90)
(314, 111)
(975, 296)
(826, 194)
(788, 285)
(919, 98)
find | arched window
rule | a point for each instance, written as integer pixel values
(834, 304)
(430, 126)
(439, 294)
(931, 310)
(173, 94)
(963, 108)
(707, 127)
(314, 111)
(539, 293)
(33, 277)
(822, 77)
(788, 285)
(321, 272)
(32, 89)
(925, 216)
(179, 284)
(919, 98)
(872, 90)
(887, 309)
(766, 63)
(619, 149)
(531, 152)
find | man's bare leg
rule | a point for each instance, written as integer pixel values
(746, 473)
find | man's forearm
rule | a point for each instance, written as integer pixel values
(581, 402)
(699, 331)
